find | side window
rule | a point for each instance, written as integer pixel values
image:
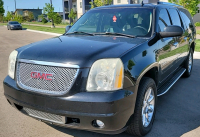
(163, 19)
(185, 18)
(175, 17)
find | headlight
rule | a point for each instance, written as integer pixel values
(106, 75)
(11, 25)
(11, 64)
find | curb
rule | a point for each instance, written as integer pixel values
(48, 33)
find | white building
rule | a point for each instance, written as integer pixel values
(82, 6)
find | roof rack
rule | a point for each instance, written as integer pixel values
(167, 3)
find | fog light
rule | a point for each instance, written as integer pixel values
(98, 124)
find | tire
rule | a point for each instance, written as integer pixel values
(188, 65)
(137, 126)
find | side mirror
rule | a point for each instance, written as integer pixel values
(67, 28)
(172, 31)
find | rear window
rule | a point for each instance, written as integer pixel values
(186, 17)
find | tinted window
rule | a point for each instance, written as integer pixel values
(186, 17)
(175, 17)
(14, 23)
(130, 21)
(163, 19)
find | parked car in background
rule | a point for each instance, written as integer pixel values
(14, 25)
(105, 73)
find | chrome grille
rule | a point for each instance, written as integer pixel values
(44, 115)
(62, 79)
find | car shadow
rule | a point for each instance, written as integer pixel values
(177, 111)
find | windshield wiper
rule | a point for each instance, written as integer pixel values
(80, 32)
(119, 34)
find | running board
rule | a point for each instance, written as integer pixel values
(166, 87)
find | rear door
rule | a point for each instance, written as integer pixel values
(180, 45)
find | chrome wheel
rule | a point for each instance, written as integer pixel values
(148, 107)
(190, 63)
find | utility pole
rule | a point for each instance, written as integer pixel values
(53, 26)
(15, 5)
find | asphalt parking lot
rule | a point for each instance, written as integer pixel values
(178, 112)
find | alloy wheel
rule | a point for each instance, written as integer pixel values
(148, 107)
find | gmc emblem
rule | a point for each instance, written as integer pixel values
(42, 75)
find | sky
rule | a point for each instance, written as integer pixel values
(9, 5)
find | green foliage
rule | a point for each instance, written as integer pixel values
(98, 3)
(190, 5)
(2, 11)
(44, 20)
(57, 19)
(49, 11)
(28, 16)
(197, 24)
(72, 15)
(17, 18)
(9, 16)
(197, 47)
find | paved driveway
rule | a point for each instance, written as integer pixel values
(178, 111)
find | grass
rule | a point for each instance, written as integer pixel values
(46, 29)
(197, 47)
(48, 23)
(1, 24)
(198, 31)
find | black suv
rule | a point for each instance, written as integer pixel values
(105, 73)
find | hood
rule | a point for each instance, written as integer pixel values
(78, 49)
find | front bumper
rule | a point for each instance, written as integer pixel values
(14, 28)
(112, 108)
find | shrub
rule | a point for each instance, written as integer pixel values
(57, 19)
(197, 24)
(44, 20)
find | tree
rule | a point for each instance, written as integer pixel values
(44, 20)
(72, 15)
(57, 19)
(49, 10)
(9, 16)
(190, 5)
(2, 11)
(28, 15)
(17, 18)
(98, 3)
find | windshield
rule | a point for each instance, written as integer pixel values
(129, 21)
(14, 22)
